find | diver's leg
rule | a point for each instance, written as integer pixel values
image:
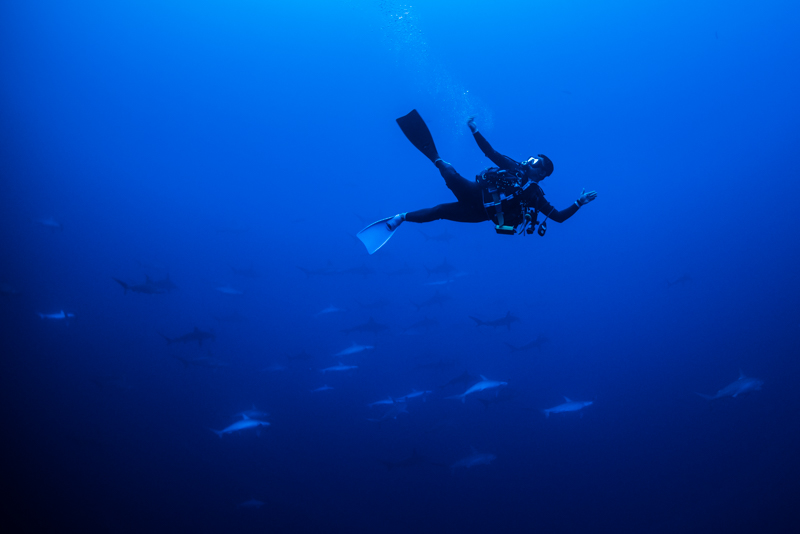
(464, 190)
(468, 209)
(452, 211)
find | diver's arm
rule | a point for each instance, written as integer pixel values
(563, 215)
(504, 162)
(560, 216)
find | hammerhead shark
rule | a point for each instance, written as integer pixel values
(202, 361)
(394, 410)
(339, 367)
(241, 424)
(535, 344)
(483, 385)
(443, 268)
(148, 288)
(503, 321)
(57, 316)
(476, 458)
(195, 335)
(681, 280)
(50, 223)
(444, 237)
(744, 384)
(247, 272)
(437, 298)
(567, 406)
(463, 378)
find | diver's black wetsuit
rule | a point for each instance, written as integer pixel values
(469, 207)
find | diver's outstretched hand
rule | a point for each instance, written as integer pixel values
(585, 197)
(472, 126)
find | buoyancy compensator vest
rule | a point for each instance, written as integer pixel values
(510, 199)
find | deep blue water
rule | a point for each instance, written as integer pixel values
(196, 140)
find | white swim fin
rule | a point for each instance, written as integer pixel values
(376, 235)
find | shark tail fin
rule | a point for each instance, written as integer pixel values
(707, 397)
(123, 284)
(220, 433)
(546, 413)
(478, 322)
(169, 341)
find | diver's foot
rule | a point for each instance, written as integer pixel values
(395, 221)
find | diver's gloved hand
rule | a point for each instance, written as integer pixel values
(585, 197)
(472, 126)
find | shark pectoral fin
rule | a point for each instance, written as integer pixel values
(567, 398)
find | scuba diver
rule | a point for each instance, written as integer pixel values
(509, 194)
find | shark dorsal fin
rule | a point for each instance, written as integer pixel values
(567, 399)
(484, 378)
(244, 416)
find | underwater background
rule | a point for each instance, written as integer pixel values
(218, 159)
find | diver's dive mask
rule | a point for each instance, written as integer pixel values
(535, 167)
